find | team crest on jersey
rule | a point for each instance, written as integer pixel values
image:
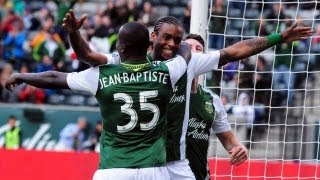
(209, 107)
(115, 55)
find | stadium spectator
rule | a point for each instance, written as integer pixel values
(7, 22)
(94, 139)
(148, 17)
(72, 136)
(49, 43)
(217, 25)
(103, 37)
(283, 78)
(186, 20)
(13, 44)
(5, 72)
(244, 113)
(262, 81)
(276, 13)
(122, 15)
(31, 94)
(206, 115)
(226, 103)
(14, 95)
(13, 136)
(133, 10)
(315, 48)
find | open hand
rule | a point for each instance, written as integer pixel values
(13, 81)
(294, 33)
(70, 23)
(238, 155)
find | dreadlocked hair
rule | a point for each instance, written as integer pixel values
(166, 20)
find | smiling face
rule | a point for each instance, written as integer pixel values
(166, 41)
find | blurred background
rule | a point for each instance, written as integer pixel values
(279, 86)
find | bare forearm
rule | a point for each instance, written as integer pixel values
(243, 49)
(48, 79)
(80, 46)
(84, 52)
(228, 140)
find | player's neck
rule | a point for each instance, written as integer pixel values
(135, 59)
(195, 85)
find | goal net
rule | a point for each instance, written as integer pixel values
(272, 98)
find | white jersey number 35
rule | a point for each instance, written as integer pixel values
(144, 105)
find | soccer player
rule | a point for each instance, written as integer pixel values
(133, 99)
(166, 38)
(207, 113)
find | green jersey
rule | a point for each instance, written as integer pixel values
(133, 101)
(178, 113)
(206, 114)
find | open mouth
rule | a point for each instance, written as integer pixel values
(167, 53)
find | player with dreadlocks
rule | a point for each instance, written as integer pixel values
(166, 38)
(133, 99)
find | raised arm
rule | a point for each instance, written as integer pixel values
(48, 79)
(238, 152)
(81, 47)
(247, 48)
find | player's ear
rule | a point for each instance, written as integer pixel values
(153, 36)
(122, 48)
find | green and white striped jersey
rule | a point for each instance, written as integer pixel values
(133, 100)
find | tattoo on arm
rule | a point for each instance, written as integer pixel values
(242, 50)
(224, 54)
(257, 45)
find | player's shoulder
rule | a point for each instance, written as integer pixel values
(175, 58)
(209, 92)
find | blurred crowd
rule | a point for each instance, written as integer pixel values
(32, 39)
(258, 90)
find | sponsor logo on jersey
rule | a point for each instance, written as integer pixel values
(198, 129)
(177, 98)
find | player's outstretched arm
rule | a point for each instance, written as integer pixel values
(247, 48)
(48, 79)
(81, 47)
(238, 152)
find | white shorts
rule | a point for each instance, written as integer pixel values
(153, 173)
(180, 170)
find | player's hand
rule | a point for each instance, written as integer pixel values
(70, 23)
(13, 81)
(294, 33)
(238, 155)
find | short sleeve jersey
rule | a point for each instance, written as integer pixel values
(206, 114)
(133, 100)
(178, 112)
